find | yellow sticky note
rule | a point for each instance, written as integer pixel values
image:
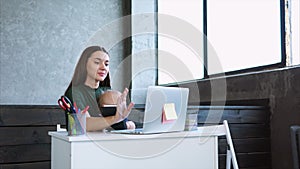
(169, 113)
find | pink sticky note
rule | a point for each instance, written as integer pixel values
(169, 113)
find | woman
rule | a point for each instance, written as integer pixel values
(90, 80)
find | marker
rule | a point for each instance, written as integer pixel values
(85, 109)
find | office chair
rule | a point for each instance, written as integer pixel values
(295, 140)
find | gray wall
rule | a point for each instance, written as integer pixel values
(144, 62)
(41, 41)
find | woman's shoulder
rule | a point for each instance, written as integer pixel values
(82, 91)
(101, 89)
(76, 91)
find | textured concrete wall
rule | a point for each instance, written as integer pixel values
(144, 62)
(41, 41)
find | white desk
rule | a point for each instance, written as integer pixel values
(188, 149)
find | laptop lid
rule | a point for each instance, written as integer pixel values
(162, 102)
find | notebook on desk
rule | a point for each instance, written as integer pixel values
(165, 111)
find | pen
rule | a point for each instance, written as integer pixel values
(85, 109)
(76, 108)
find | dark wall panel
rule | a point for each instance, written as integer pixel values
(24, 140)
(277, 89)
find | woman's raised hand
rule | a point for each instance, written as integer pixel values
(122, 109)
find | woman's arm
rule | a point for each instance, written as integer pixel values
(100, 123)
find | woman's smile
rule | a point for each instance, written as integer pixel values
(102, 74)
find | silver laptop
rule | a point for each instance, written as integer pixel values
(159, 101)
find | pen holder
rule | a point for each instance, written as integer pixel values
(76, 124)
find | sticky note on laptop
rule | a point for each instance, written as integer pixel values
(169, 113)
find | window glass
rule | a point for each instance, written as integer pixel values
(179, 59)
(295, 30)
(243, 33)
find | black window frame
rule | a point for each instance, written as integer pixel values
(281, 64)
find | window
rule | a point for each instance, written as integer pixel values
(295, 31)
(179, 31)
(242, 35)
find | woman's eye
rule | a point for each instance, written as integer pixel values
(97, 63)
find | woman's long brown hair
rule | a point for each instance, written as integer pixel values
(80, 73)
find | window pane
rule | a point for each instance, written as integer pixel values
(179, 59)
(243, 33)
(295, 13)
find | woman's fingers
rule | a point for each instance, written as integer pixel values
(130, 106)
(122, 98)
(127, 110)
(130, 125)
(124, 95)
(123, 110)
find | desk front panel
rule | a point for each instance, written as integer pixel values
(191, 152)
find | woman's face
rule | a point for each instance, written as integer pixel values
(97, 67)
